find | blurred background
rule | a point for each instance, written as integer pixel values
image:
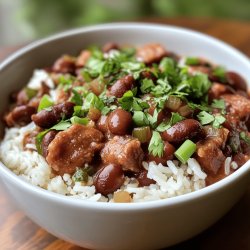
(26, 20)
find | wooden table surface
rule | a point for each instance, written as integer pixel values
(231, 232)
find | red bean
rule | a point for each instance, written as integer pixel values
(143, 179)
(47, 139)
(122, 85)
(48, 118)
(236, 81)
(20, 115)
(168, 154)
(186, 129)
(119, 122)
(108, 179)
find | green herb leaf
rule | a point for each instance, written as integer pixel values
(45, 102)
(62, 125)
(76, 98)
(39, 139)
(132, 66)
(91, 100)
(219, 104)
(175, 117)
(80, 175)
(205, 118)
(78, 111)
(146, 86)
(156, 145)
(198, 85)
(140, 119)
(30, 92)
(192, 61)
(78, 120)
(218, 120)
(126, 101)
(220, 72)
(245, 137)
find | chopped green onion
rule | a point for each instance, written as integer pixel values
(185, 151)
(78, 120)
(143, 134)
(30, 92)
(45, 102)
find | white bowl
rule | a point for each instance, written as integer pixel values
(148, 225)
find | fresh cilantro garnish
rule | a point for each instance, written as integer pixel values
(30, 92)
(91, 100)
(220, 72)
(219, 104)
(44, 103)
(163, 87)
(140, 119)
(78, 120)
(129, 102)
(126, 101)
(78, 111)
(206, 118)
(80, 175)
(202, 107)
(192, 61)
(146, 86)
(197, 85)
(64, 80)
(218, 120)
(156, 145)
(132, 66)
(62, 125)
(245, 137)
(76, 98)
(175, 117)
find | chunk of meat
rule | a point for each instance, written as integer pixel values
(151, 53)
(237, 105)
(30, 138)
(48, 118)
(125, 151)
(218, 89)
(110, 46)
(65, 64)
(83, 58)
(72, 148)
(209, 153)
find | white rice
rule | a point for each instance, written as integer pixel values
(227, 165)
(171, 180)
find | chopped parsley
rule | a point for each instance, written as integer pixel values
(245, 137)
(206, 118)
(156, 145)
(175, 117)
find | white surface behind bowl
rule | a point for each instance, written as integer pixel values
(148, 225)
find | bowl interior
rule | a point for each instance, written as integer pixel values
(17, 69)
